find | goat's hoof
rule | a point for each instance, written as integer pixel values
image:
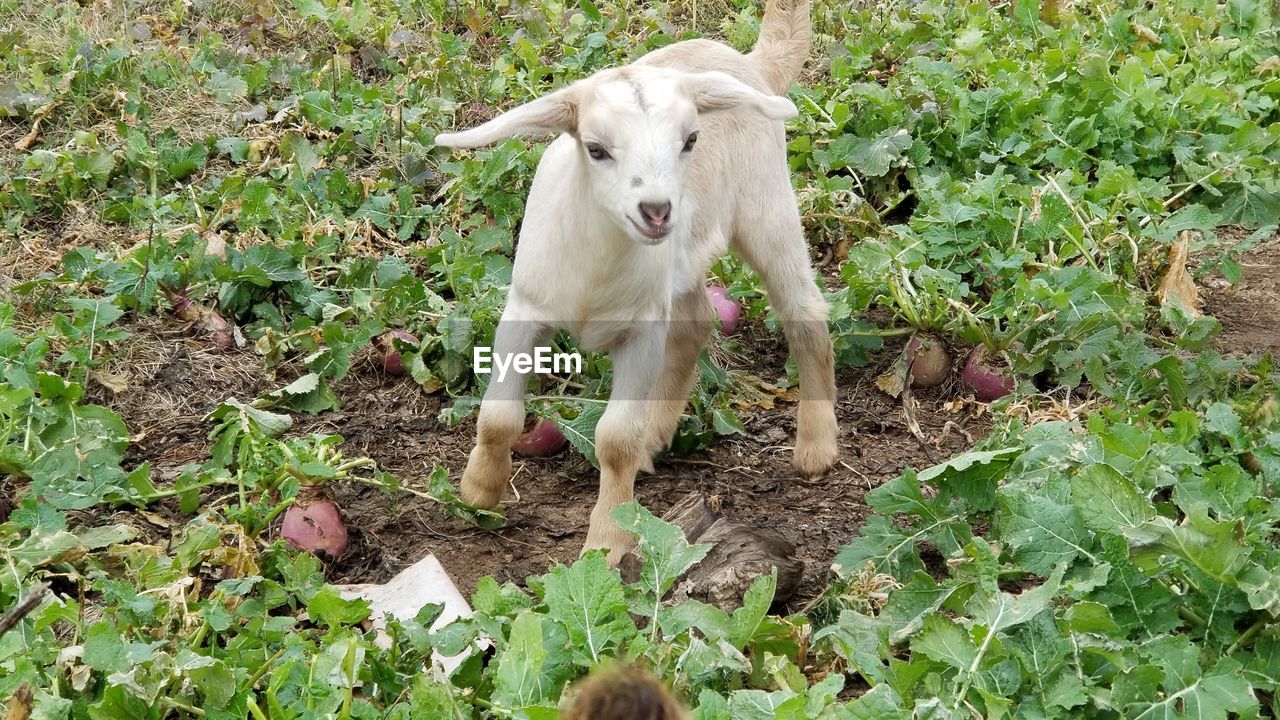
(813, 460)
(617, 544)
(485, 480)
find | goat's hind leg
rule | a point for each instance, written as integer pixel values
(777, 251)
(502, 413)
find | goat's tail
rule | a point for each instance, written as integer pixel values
(784, 42)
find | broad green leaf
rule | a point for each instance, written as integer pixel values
(1217, 695)
(878, 703)
(857, 638)
(972, 476)
(941, 639)
(1108, 501)
(518, 680)
(1041, 531)
(587, 597)
(581, 430)
(667, 555)
(251, 419)
(755, 606)
(761, 705)
(883, 545)
(329, 608)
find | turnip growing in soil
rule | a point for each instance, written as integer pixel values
(988, 381)
(221, 332)
(928, 362)
(544, 440)
(316, 526)
(727, 309)
(392, 361)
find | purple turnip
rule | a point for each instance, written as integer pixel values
(315, 526)
(220, 330)
(989, 382)
(929, 361)
(544, 440)
(392, 363)
(726, 307)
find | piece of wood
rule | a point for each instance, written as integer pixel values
(19, 611)
(739, 554)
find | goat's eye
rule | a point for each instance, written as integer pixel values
(597, 151)
(690, 142)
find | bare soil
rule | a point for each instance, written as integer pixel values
(174, 382)
(1250, 310)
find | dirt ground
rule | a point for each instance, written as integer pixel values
(1250, 310)
(174, 383)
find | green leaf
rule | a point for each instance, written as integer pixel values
(1005, 611)
(588, 599)
(251, 419)
(1108, 501)
(518, 680)
(761, 705)
(884, 546)
(1222, 419)
(581, 430)
(330, 609)
(941, 639)
(878, 703)
(755, 606)
(1042, 531)
(972, 475)
(104, 647)
(214, 680)
(1217, 695)
(667, 555)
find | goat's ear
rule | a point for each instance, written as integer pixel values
(713, 91)
(555, 113)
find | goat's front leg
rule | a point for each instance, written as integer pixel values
(621, 434)
(692, 320)
(501, 412)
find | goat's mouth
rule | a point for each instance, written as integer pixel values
(650, 232)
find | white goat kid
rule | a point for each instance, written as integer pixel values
(660, 167)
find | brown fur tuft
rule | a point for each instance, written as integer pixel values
(623, 694)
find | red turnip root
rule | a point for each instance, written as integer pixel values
(544, 440)
(988, 382)
(315, 526)
(220, 330)
(727, 309)
(392, 363)
(929, 361)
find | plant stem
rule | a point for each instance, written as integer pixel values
(1247, 636)
(183, 707)
(256, 711)
(266, 666)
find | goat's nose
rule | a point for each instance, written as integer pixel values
(656, 214)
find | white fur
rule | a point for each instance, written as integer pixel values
(587, 262)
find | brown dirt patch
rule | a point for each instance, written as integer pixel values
(1250, 310)
(174, 382)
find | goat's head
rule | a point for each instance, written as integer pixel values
(636, 129)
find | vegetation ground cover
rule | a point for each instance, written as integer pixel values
(252, 186)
